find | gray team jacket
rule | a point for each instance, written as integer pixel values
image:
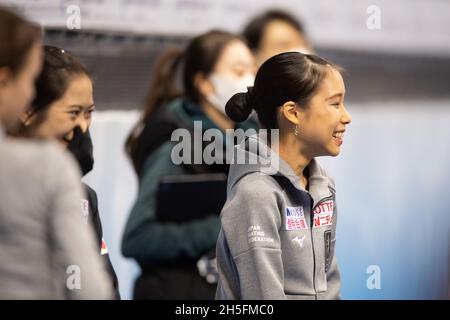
(277, 240)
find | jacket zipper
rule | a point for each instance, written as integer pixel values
(311, 223)
(312, 208)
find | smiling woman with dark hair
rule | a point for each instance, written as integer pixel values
(62, 111)
(63, 100)
(279, 229)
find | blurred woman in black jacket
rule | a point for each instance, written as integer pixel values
(62, 110)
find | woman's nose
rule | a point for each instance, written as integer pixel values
(83, 124)
(346, 117)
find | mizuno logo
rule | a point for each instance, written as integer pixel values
(299, 240)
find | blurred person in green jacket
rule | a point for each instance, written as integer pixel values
(212, 68)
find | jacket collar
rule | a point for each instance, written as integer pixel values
(320, 184)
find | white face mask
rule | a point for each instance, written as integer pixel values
(226, 87)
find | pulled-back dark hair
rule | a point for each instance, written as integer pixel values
(200, 57)
(58, 69)
(289, 76)
(255, 29)
(17, 37)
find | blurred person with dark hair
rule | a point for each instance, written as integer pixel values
(273, 32)
(278, 231)
(215, 65)
(62, 110)
(45, 251)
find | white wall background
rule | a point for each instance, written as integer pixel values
(116, 184)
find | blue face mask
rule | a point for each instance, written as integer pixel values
(82, 149)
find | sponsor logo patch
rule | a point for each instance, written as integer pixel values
(323, 214)
(295, 218)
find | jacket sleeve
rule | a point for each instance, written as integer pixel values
(147, 239)
(75, 251)
(251, 222)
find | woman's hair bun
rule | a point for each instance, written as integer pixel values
(239, 107)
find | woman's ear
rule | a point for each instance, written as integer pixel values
(203, 85)
(291, 112)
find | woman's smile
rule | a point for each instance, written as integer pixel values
(338, 137)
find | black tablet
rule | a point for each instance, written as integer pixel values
(184, 198)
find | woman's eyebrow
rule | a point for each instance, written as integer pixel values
(340, 94)
(74, 106)
(80, 107)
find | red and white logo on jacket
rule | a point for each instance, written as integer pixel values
(323, 214)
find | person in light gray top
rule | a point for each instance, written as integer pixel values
(46, 252)
(278, 233)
